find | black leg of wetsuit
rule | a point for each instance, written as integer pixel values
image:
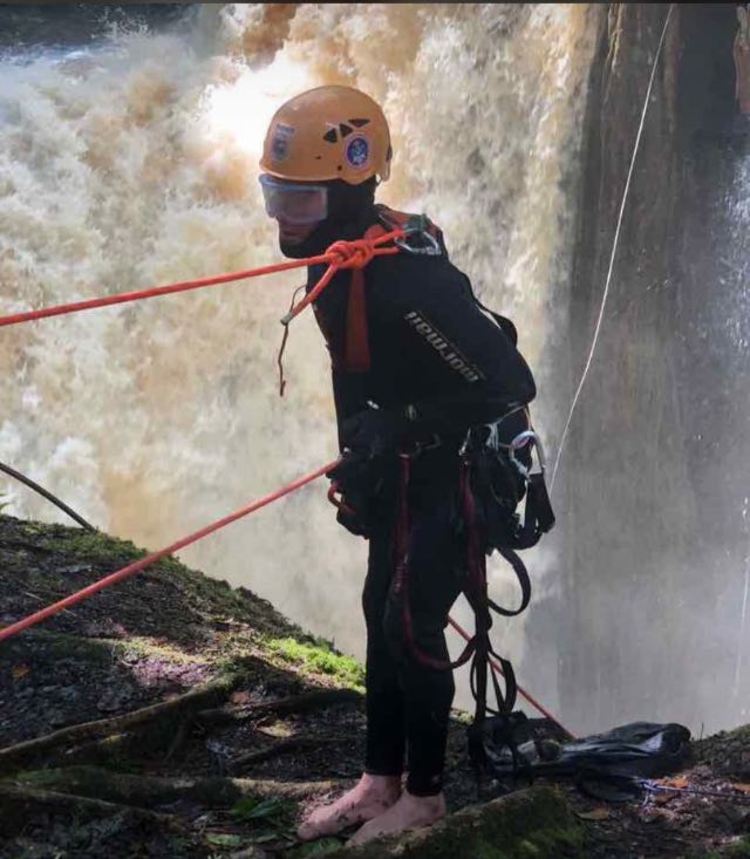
(386, 738)
(409, 702)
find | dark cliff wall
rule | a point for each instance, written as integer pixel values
(652, 485)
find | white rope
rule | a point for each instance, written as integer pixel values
(614, 250)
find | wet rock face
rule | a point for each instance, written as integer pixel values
(654, 492)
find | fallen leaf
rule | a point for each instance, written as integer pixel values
(595, 814)
(740, 785)
(223, 839)
(678, 782)
(20, 671)
(240, 697)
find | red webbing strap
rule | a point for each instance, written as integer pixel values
(357, 345)
(356, 358)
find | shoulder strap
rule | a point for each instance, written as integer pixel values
(393, 219)
(357, 342)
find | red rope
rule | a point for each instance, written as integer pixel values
(137, 566)
(339, 255)
(182, 286)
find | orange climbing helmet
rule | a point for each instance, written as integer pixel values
(331, 132)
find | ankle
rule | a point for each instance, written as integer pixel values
(434, 802)
(381, 785)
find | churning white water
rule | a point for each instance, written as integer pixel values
(134, 162)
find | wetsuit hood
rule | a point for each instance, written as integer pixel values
(351, 209)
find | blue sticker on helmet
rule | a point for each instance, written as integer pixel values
(357, 151)
(280, 144)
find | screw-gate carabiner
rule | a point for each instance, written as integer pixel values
(418, 226)
(520, 441)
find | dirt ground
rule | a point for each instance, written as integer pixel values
(250, 721)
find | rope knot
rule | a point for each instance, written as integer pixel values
(354, 254)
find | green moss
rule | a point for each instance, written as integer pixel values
(318, 656)
(483, 850)
(77, 541)
(740, 850)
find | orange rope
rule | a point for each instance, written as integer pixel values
(339, 255)
(137, 566)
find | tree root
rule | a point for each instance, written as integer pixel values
(20, 802)
(284, 747)
(151, 791)
(162, 715)
(305, 703)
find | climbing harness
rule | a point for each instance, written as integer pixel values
(484, 659)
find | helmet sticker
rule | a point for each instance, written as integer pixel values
(280, 144)
(357, 151)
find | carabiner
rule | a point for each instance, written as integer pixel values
(418, 226)
(520, 441)
(433, 250)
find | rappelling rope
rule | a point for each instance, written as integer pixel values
(339, 255)
(608, 280)
(27, 481)
(137, 566)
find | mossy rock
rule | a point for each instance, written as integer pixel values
(318, 656)
(531, 824)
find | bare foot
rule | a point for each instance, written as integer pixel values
(409, 812)
(373, 795)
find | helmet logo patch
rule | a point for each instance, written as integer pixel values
(280, 144)
(357, 151)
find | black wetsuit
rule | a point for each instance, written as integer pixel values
(432, 348)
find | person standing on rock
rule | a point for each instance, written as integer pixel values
(416, 364)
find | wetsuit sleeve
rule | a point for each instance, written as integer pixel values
(487, 376)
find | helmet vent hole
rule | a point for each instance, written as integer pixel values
(331, 136)
(345, 130)
(358, 123)
(340, 167)
(318, 157)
